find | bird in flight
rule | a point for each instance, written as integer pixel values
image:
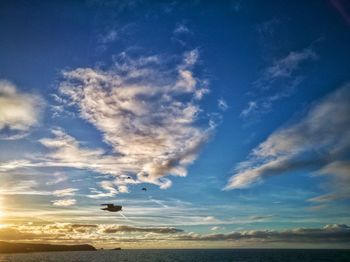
(111, 207)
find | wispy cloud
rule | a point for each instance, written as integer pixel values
(181, 28)
(278, 81)
(321, 139)
(109, 190)
(285, 67)
(22, 187)
(338, 173)
(14, 136)
(222, 104)
(110, 36)
(182, 33)
(251, 107)
(65, 192)
(64, 202)
(58, 177)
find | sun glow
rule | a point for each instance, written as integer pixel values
(1, 207)
(1, 219)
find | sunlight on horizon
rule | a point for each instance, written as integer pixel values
(2, 213)
(1, 216)
(169, 124)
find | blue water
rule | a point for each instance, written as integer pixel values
(247, 255)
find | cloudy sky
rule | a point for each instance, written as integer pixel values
(233, 115)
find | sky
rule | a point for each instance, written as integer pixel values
(234, 115)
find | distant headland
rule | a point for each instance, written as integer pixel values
(6, 247)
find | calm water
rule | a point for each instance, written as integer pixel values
(186, 255)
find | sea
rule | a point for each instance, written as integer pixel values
(198, 255)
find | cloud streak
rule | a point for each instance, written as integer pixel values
(64, 202)
(65, 192)
(285, 67)
(158, 230)
(320, 140)
(278, 81)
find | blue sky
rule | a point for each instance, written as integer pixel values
(234, 116)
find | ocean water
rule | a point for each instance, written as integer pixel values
(242, 255)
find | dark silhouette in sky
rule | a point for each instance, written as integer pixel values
(111, 207)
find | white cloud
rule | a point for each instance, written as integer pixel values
(190, 58)
(64, 202)
(65, 192)
(18, 111)
(146, 110)
(321, 138)
(123, 189)
(147, 114)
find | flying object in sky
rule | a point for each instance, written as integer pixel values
(111, 207)
(144, 189)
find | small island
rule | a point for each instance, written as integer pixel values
(6, 247)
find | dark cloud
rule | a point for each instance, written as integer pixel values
(261, 217)
(71, 228)
(11, 233)
(335, 233)
(329, 233)
(62, 231)
(159, 230)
